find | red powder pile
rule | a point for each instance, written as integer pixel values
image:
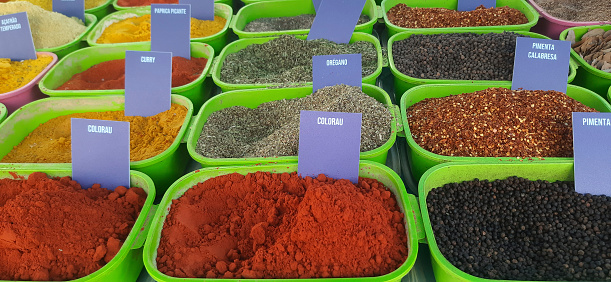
(265, 225)
(111, 74)
(51, 229)
(134, 3)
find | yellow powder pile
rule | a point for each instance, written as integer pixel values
(139, 29)
(49, 29)
(48, 4)
(149, 136)
(16, 74)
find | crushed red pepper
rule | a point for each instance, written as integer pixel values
(496, 122)
(408, 17)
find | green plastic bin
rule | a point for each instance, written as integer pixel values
(289, 8)
(238, 45)
(127, 263)
(83, 59)
(252, 98)
(422, 160)
(404, 82)
(530, 13)
(77, 43)
(457, 172)
(3, 112)
(587, 75)
(217, 41)
(163, 168)
(102, 10)
(407, 204)
(119, 8)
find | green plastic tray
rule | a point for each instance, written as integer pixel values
(238, 45)
(289, 8)
(587, 75)
(457, 172)
(407, 204)
(119, 8)
(163, 168)
(422, 160)
(217, 41)
(127, 263)
(102, 10)
(77, 43)
(530, 13)
(83, 59)
(404, 82)
(254, 97)
(3, 112)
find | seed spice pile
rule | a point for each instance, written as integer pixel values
(287, 23)
(577, 11)
(594, 47)
(496, 122)
(517, 229)
(403, 16)
(288, 59)
(462, 56)
(272, 129)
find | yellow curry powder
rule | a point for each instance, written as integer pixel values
(139, 29)
(48, 4)
(16, 74)
(149, 136)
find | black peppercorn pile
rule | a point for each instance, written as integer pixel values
(496, 122)
(464, 56)
(517, 229)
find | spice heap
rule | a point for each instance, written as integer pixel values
(463, 56)
(16, 74)
(49, 29)
(51, 229)
(265, 225)
(577, 11)
(137, 3)
(51, 142)
(517, 229)
(138, 29)
(287, 23)
(496, 122)
(272, 129)
(403, 16)
(288, 59)
(595, 48)
(48, 4)
(111, 74)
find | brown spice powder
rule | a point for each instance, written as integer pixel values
(496, 122)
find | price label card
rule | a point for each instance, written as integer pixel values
(70, 8)
(591, 153)
(100, 152)
(329, 70)
(171, 29)
(201, 9)
(316, 4)
(470, 5)
(148, 83)
(329, 143)
(335, 20)
(16, 37)
(541, 64)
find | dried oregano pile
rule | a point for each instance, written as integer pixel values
(272, 129)
(287, 23)
(288, 59)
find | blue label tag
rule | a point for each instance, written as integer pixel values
(70, 8)
(329, 70)
(100, 152)
(591, 135)
(470, 5)
(329, 143)
(541, 64)
(316, 4)
(335, 20)
(171, 29)
(201, 9)
(148, 83)
(16, 38)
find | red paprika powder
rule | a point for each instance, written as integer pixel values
(51, 229)
(265, 225)
(111, 74)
